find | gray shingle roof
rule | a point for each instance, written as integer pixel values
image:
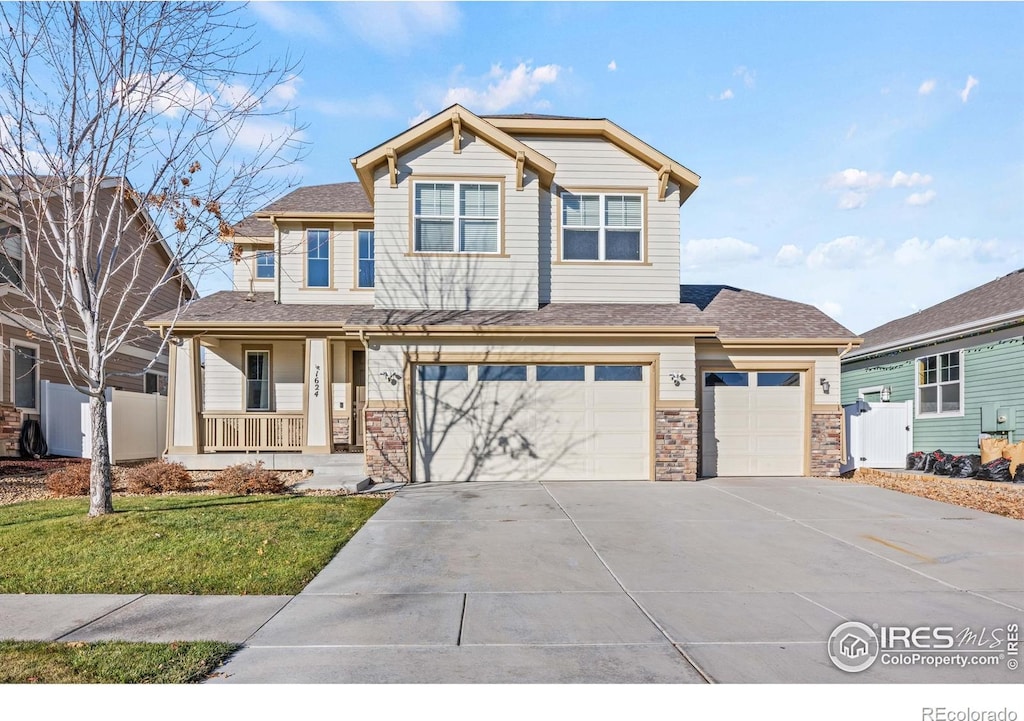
(330, 198)
(737, 313)
(1000, 297)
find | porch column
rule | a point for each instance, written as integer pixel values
(317, 406)
(183, 397)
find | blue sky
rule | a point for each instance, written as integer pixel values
(864, 157)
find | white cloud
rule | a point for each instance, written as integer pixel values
(714, 251)
(612, 66)
(851, 200)
(903, 180)
(959, 251)
(849, 251)
(789, 255)
(926, 87)
(830, 308)
(374, 106)
(921, 198)
(291, 19)
(971, 83)
(505, 89)
(749, 76)
(854, 179)
(285, 92)
(258, 133)
(727, 94)
(419, 117)
(851, 131)
(399, 27)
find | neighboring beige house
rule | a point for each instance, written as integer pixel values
(498, 298)
(27, 359)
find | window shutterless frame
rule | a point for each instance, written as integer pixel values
(265, 264)
(365, 259)
(258, 381)
(602, 226)
(318, 257)
(25, 375)
(939, 385)
(452, 217)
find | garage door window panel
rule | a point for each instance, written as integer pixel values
(618, 373)
(561, 374)
(712, 380)
(444, 373)
(501, 373)
(768, 380)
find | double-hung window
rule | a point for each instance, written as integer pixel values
(364, 263)
(457, 217)
(940, 385)
(602, 226)
(264, 264)
(12, 258)
(257, 380)
(318, 258)
(26, 376)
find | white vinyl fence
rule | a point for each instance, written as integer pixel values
(136, 423)
(879, 435)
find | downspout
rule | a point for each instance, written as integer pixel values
(277, 259)
(843, 451)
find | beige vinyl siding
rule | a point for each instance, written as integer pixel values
(293, 265)
(586, 163)
(410, 280)
(244, 271)
(673, 357)
(224, 376)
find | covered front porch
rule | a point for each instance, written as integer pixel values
(286, 400)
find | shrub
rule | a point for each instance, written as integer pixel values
(71, 480)
(158, 477)
(244, 479)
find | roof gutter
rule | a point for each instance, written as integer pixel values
(964, 329)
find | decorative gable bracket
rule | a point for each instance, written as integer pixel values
(663, 176)
(392, 157)
(520, 169)
(456, 133)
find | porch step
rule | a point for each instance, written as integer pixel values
(325, 479)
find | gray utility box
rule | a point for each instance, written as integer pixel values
(996, 418)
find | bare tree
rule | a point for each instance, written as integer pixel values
(127, 128)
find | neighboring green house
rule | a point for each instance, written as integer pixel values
(961, 362)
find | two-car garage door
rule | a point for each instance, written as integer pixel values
(752, 424)
(494, 422)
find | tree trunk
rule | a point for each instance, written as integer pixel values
(101, 499)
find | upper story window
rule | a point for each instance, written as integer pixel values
(264, 264)
(602, 226)
(457, 217)
(12, 263)
(364, 261)
(318, 258)
(940, 385)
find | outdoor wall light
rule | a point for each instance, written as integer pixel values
(825, 385)
(677, 378)
(886, 393)
(391, 377)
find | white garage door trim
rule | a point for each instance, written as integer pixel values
(754, 422)
(552, 425)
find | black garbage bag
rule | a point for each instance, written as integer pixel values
(1018, 475)
(31, 443)
(915, 461)
(919, 461)
(966, 466)
(997, 470)
(929, 460)
(944, 465)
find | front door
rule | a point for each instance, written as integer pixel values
(359, 385)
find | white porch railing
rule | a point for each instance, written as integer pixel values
(253, 432)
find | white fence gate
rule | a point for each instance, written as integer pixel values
(136, 423)
(879, 435)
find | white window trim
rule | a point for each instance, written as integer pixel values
(272, 266)
(270, 380)
(917, 386)
(329, 259)
(456, 217)
(602, 227)
(24, 344)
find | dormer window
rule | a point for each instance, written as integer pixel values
(456, 217)
(602, 227)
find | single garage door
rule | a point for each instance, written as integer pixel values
(752, 424)
(490, 422)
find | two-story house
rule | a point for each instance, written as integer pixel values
(499, 298)
(28, 357)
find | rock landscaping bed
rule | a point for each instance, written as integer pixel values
(1004, 499)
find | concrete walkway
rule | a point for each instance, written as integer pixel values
(730, 580)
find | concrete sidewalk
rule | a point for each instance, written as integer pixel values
(734, 580)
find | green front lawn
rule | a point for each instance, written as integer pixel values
(110, 662)
(176, 544)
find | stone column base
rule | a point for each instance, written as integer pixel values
(675, 444)
(826, 442)
(387, 444)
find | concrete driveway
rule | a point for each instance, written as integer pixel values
(728, 580)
